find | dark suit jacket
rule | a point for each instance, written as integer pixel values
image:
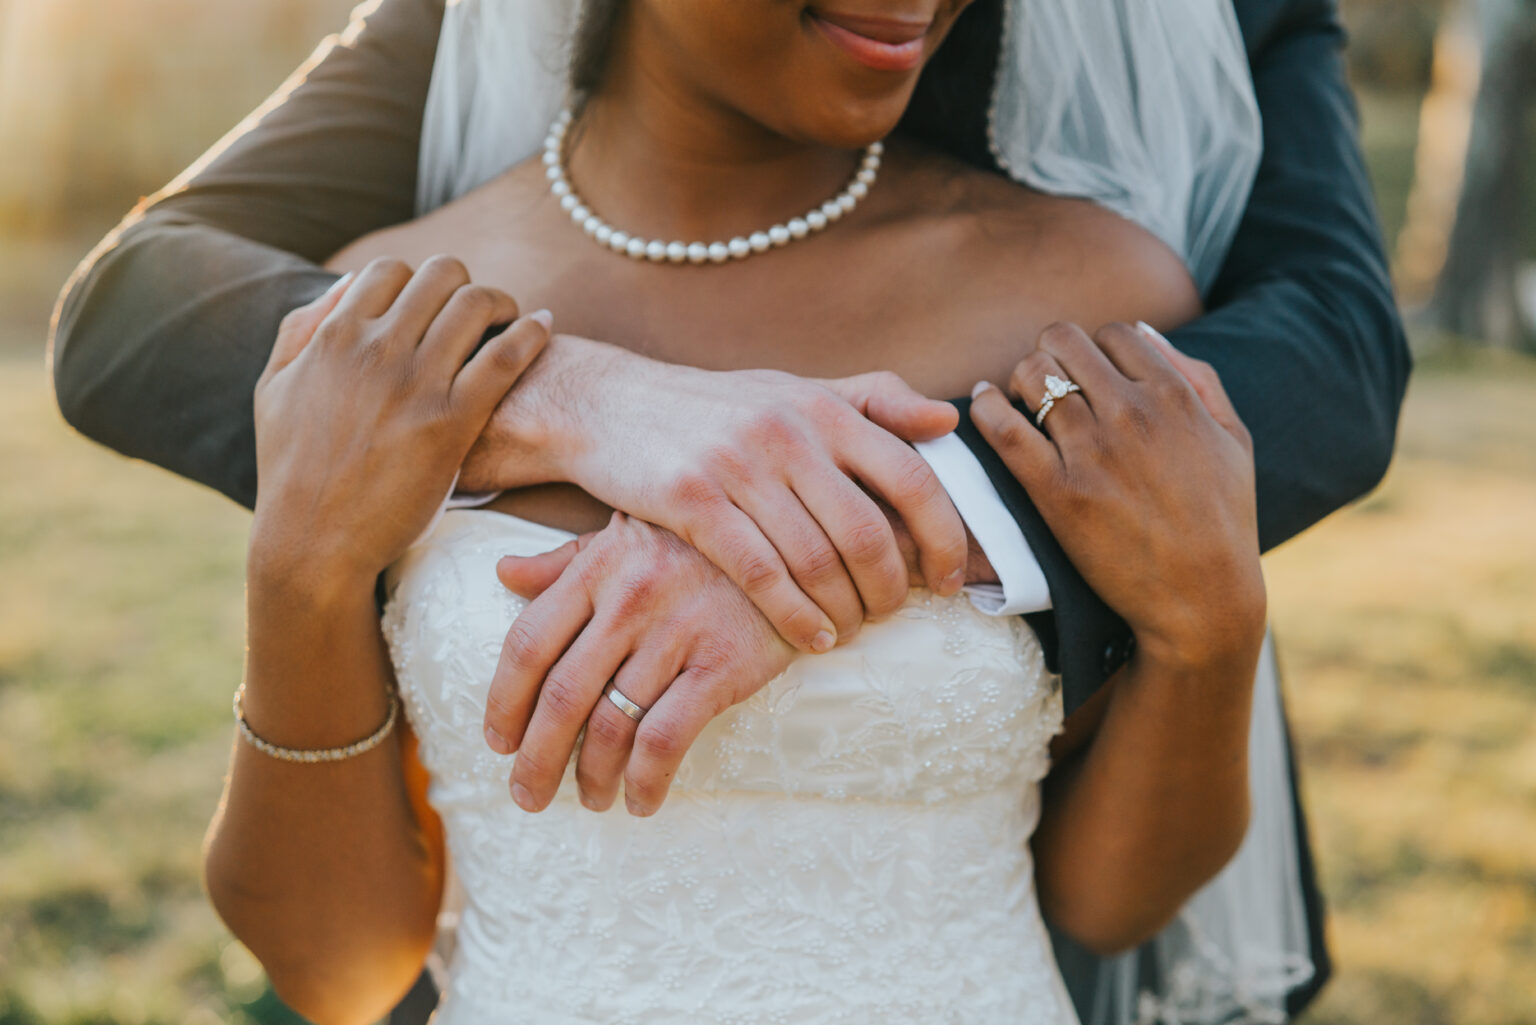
(162, 333)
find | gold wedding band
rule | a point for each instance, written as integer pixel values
(623, 704)
(1055, 388)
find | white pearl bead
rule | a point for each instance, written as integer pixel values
(738, 247)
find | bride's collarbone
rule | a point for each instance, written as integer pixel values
(953, 293)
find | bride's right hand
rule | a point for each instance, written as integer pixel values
(372, 397)
(760, 471)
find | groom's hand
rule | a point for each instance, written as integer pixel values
(764, 472)
(635, 605)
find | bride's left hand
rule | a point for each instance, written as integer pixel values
(1146, 478)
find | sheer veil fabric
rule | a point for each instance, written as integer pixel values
(1145, 108)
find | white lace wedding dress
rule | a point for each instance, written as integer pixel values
(849, 845)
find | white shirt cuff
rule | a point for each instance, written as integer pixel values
(1023, 587)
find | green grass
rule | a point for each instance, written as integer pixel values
(120, 640)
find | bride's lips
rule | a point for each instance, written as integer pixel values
(885, 44)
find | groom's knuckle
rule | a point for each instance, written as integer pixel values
(915, 483)
(638, 593)
(520, 653)
(696, 491)
(818, 563)
(561, 698)
(661, 740)
(864, 543)
(755, 571)
(607, 729)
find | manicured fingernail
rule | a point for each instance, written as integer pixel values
(498, 743)
(543, 317)
(824, 641)
(337, 285)
(523, 798)
(1153, 333)
(952, 583)
(981, 386)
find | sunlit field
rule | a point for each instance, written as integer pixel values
(1407, 628)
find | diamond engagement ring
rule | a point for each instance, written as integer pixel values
(625, 705)
(1055, 388)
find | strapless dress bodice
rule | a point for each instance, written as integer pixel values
(851, 844)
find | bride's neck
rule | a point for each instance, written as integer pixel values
(652, 153)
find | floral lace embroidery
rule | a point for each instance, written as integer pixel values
(851, 844)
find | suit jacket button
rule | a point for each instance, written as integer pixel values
(1111, 660)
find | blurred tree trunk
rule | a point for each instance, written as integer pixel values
(1477, 295)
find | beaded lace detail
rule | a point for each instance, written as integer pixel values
(849, 845)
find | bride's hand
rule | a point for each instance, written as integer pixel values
(759, 470)
(1146, 478)
(372, 397)
(636, 605)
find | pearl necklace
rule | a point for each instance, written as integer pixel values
(738, 248)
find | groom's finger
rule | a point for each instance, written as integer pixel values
(643, 679)
(566, 700)
(531, 575)
(667, 732)
(535, 642)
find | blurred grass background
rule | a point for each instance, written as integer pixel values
(1407, 623)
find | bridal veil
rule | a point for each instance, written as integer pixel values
(1144, 107)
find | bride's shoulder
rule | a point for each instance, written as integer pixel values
(983, 221)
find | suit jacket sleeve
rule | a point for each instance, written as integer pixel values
(162, 332)
(1302, 326)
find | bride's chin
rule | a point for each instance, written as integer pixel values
(854, 124)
